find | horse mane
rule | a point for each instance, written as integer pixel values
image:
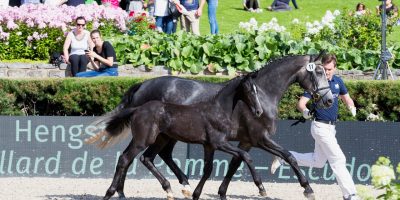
(271, 63)
(281, 58)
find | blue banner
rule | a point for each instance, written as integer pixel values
(47, 146)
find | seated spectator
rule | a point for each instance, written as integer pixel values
(79, 41)
(102, 58)
(360, 9)
(252, 5)
(391, 11)
(282, 5)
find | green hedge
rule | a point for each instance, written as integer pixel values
(77, 97)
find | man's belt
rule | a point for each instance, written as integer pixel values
(325, 121)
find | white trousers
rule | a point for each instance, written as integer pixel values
(327, 149)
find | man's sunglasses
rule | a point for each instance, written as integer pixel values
(80, 24)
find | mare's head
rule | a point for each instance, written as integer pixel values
(248, 92)
(313, 79)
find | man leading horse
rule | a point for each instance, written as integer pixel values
(323, 131)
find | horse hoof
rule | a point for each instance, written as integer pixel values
(263, 193)
(170, 196)
(186, 191)
(121, 196)
(309, 196)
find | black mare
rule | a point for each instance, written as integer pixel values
(272, 81)
(207, 123)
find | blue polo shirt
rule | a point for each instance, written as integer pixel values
(330, 114)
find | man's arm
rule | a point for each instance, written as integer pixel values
(347, 100)
(349, 103)
(302, 107)
(302, 104)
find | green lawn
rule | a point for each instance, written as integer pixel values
(230, 13)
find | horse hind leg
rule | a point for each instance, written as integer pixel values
(147, 159)
(166, 155)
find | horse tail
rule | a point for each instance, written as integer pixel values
(117, 128)
(127, 101)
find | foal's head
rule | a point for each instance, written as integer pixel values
(248, 92)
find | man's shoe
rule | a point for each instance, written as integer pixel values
(276, 164)
(352, 197)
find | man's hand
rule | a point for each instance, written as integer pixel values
(353, 111)
(199, 12)
(306, 114)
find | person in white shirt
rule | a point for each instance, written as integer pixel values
(78, 40)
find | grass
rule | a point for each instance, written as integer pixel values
(230, 13)
(23, 60)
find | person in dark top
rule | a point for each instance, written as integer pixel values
(323, 130)
(391, 9)
(282, 5)
(102, 58)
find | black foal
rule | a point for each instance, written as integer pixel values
(207, 123)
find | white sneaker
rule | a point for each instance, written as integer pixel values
(276, 164)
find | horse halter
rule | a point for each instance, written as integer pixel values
(311, 69)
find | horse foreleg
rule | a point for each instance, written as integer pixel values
(235, 151)
(274, 148)
(166, 155)
(208, 167)
(233, 166)
(147, 159)
(123, 164)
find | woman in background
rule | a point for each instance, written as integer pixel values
(102, 58)
(360, 9)
(79, 41)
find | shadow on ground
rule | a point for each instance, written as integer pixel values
(95, 197)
